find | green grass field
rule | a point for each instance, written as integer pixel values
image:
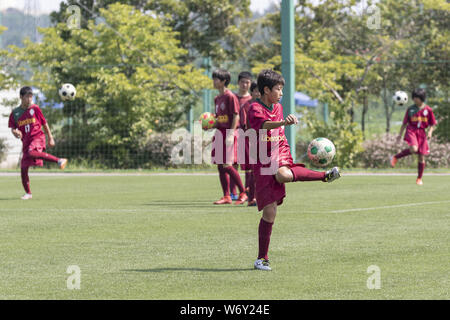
(160, 237)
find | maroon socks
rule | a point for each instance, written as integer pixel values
(264, 232)
(42, 155)
(25, 179)
(402, 154)
(224, 180)
(303, 174)
(421, 168)
(234, 175)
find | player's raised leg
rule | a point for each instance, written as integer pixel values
(295, 173)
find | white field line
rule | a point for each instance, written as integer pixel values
(383, 207)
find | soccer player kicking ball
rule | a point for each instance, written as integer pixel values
(26, 122)
(417, 118)
(267, 114)
(224, 142)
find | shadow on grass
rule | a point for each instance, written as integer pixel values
(184, 204)
(187, 269)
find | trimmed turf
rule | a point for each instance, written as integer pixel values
(160, 237)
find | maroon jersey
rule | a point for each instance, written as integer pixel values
(243, 115)
(29, 121)
(242, 102)
(417, 118)
(259, 113)
(227, 105)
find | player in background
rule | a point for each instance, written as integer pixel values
(418, 118)
(26, 123)
(267, 114)
(243, 95)
(247, 167)
(224, 142)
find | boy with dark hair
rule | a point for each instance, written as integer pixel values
(26, 122)
(418, 117)
(265, 116)
(246, 166)
(224, 142)
(244, 82)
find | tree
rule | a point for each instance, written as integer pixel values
(6, 80)
(205, 28)
(129, 78)
(209, 28)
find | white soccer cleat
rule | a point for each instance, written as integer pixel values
(262, 264)
(27, 196)
(332, 175)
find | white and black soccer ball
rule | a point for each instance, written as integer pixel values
(67, 92)
(321, 152)
(400, 98)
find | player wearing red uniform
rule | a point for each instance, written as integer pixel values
(274, 166)
(26, 123)
(224, 141)
(244, 82)
(246, 166)
(418, 118)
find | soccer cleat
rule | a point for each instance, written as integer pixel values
(224, 200)
(419, 182)
(62, 163)
(233, 196)
(332, 175)
(252, 203)
(262, 264)
(27, 196)
(242, 198)
(393, 161)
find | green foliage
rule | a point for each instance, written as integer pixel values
(442, 114)
(209, 28)
(129, 76)
(3, 149)
(6, 80)
(341, 131)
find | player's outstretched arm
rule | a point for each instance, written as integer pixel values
(290, 119)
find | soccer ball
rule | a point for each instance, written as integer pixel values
(400, 98)
(321, 152)
(207, 120)
(67, 92)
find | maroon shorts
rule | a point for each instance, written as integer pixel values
(27, 161)
(417, 137)
(222, 153)
(268, 189)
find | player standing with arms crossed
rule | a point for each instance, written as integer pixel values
(26, 123)
(418, 118)
(267, 114)
(224, 142)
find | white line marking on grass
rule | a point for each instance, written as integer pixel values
(383, 207)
